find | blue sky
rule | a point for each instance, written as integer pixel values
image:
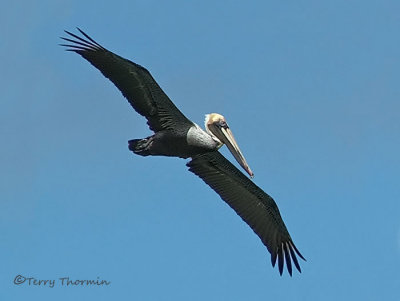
(311, 91)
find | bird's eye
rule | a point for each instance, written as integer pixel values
(223, 124)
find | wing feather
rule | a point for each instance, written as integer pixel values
(134, 81)
(251, 203)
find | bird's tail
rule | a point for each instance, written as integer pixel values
(140, 146)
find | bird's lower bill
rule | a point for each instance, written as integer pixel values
(225, 135)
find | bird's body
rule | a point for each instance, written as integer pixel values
(177, 136)
(184, 143)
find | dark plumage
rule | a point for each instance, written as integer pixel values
(134, 81)
(175, 135)
(251, 203)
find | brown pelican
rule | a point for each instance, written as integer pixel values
(175, 135)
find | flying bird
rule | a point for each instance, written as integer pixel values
(177, 136)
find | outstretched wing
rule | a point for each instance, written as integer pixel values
(134, 81)
(251, 203)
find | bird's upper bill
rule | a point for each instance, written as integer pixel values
(217, 127)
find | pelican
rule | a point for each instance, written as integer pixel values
(177, 136)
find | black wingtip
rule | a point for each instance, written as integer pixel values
(81, 44)
(273, 259)
(286, 253)
(68, 33)
(280, 260)
(285, 248)
(294, 258)
(298, 252)
(89, 38)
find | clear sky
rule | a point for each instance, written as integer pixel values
(311, 91)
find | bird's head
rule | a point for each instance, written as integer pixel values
(217, 127)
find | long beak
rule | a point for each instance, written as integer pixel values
(224, 134)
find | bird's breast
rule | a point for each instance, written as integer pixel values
(196, 137)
